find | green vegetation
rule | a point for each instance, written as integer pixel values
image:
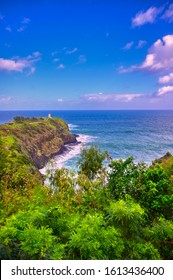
(90, 161)
(36, 139)
(123, 212)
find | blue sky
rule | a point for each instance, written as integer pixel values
(90, 54)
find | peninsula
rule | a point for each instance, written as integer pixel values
(36, 139)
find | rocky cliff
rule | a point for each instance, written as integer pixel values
(37, 139)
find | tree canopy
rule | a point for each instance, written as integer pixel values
(120, 211)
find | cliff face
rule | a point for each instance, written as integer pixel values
(37, 139)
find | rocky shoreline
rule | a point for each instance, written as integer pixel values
(37, 139)
(62, 150)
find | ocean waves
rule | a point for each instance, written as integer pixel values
(70, 152)
(72, 127)
(145, 135)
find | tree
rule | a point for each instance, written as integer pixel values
(160, 234)
(128, 215)
(157, 193)
(92, 239)
(3, 157)
(91, 161)
(19, 119)
(3, 163)
(125, 178)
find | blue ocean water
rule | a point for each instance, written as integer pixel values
(145, 135)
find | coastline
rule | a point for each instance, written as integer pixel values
(145, 135)
(68, 152)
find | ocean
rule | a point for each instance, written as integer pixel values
(145, 135)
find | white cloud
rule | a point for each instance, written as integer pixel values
(8, 28)
(54, 53)
(5, 100)
(56, 59)
(168, 15)
(160, 56)
(1, 17)
(122, 69)
(24, 24)
(72, 51)
(18, 64)
(26, 20)
(128, 46)
(148, 16)
(164, 90)
(11, 65)
(36, 54)
(7, 45)
(60, 100)
(32, 71)
(141, 44)
(61, 66)
(82, 59)
(101, 97)
(158, 59)
(21, 28)
(166, 79)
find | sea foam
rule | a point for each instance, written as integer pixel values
(71, 151)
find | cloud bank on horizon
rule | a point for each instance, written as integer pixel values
(86, 55)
